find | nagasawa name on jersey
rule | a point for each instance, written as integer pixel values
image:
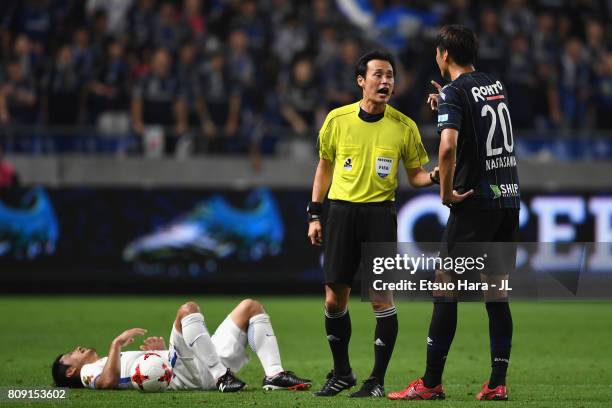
(476, 105)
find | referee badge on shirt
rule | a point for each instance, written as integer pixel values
(348, 164)
(383, 166)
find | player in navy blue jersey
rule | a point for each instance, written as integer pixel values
(479, 182)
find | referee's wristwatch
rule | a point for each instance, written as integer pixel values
(433, 178)
(314, 211)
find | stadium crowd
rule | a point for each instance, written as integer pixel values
(227, 75)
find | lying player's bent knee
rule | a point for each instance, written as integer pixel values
(188, 308)
(252, 306)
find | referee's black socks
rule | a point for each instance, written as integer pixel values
(385, 335)
(338, 329)
(441, 333)
(500, 335)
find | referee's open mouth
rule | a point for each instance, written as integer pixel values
(383, 91)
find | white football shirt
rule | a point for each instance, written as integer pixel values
(91, 372)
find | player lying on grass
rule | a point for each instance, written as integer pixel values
(199, 361)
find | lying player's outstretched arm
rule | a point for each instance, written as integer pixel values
(447, 157)
(112, 369)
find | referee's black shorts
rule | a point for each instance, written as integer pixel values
(348, 226)
(490, 231)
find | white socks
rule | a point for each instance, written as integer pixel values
(263, 342)
(198, 339)
(260, 336)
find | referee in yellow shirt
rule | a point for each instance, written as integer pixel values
(361, 146)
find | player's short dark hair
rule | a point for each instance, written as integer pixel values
(460, 42)
(58, 371)
(362, 63)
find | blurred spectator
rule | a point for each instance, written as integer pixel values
(31, 62)
(545, 44)
(327, 45)
(18, 97)
(240, 62)
(33, 18)
(277, 13)
(574, 84)
(250, 20)
(140, 64)
(547, 112)
(82, 55)
(99, 36)
(9, 182)
(140, 20)
(222, 97)
(62, 90)
(291, 39)
(564, 28)
(517, 18)
(407, 95)
(324, 14)
(595, 45)
(301, 105)
(603, 93)
(195, 116)
(168, 32)
(157, 111)
(243, 71)
(492, 48)
(115, 10)
(340, 75)
(193, 18)
(188, 73)
(460, 12)
(520, 80)
(109, 93)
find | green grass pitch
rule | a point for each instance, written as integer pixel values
(560, 357)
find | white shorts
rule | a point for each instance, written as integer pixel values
(231, 345)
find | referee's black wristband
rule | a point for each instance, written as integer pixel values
(314, 211)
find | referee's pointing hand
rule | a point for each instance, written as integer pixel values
(315, 233)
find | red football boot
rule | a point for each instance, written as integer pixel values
(499, 393)
(416, 390)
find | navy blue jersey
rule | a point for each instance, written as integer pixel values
(476, 105)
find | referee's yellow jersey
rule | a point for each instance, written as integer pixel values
(366, 155)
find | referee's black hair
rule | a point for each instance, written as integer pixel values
(460, 42)
(362, 63)
(58, 372)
